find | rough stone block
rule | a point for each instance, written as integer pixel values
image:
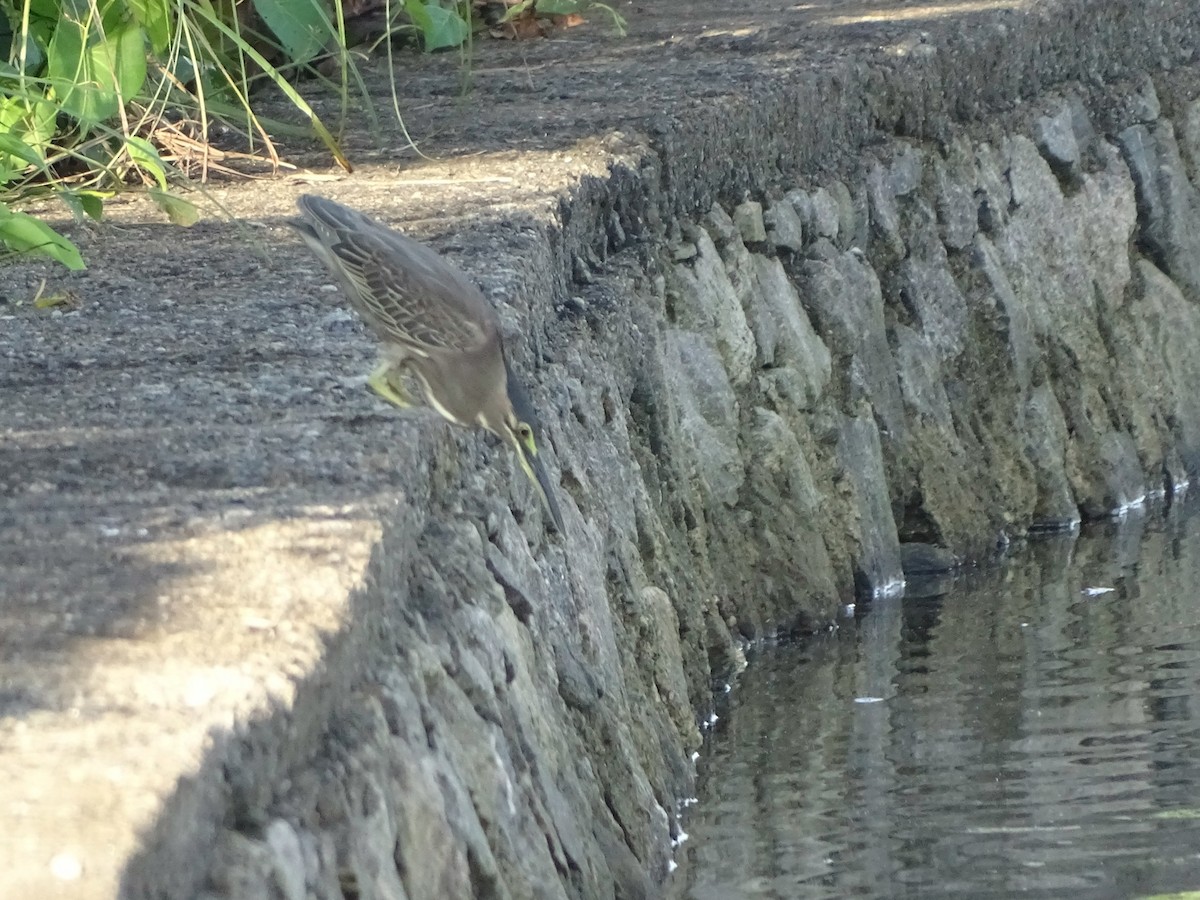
(887, 243)
(704, 299)
(1167, 331)
(662, 646)
(932, 295)
(1000, 306)
(877, 569)
(921, 376)
(843, 296)
(287, 858)
(992, 191)
(1143, 106)
(703, 398)
(748, 218)
(792, 554)
(1168, 203)
(1055, 138)
(1102, 217)
(720, 226)
(1045, 441)
(906, 171)
(957, 209)
(785, 226)
(827, 212)
(1189, 141)
(854, 216)
(783, 333)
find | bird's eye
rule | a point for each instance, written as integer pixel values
(524, 431)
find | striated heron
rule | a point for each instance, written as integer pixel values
(434, 323)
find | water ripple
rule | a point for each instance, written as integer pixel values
(1019, 737)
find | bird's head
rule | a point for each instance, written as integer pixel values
(519, 428)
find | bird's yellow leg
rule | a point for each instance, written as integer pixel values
(391, 391)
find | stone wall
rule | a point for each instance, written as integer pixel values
(856, 298)
(752, 412)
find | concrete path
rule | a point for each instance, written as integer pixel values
(196, 491)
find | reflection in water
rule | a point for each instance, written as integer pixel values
(1030, 737)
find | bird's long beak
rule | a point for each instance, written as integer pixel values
(537, 474)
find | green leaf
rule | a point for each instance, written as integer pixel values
(53, 9)
(83, 203)
(440, 27)
(446, 28)
(13, 146)
(66, 69)
(92, 203)
(155, 17)
(128, 59)
(182, 67)
(25, 131)
(25, 234)
(38, 37)
(300, 25)
(32, 120)
(560, 7)
(93, 75)
(142, 152)
(178, 210)
(72, 203)
(419, 14)
(516, 9)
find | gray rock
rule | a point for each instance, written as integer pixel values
(748, 219)
(920, 373)
(791, 554)
(906, 171)
(827, 211)
(854, 218)
(706, 408)
(245, 869)
(661, 639)
(1004, 312)
(1086, 137)
(992, 190)
(932, 295)
(1103, 214)
(785, 226)
(720, 227)
(704, 299)
(802, 203)
(1030, 180)
(844, 299)
(1164, 335)
(877, 569)
(1124, 482)
(887, 244)
(1189, 141)
(684, 251)
(1046, 440)
(288, 859)
(957, 209)
(1143, 105)
(783, 334)
(1168, 203)
(780, 462)
(1055, 139)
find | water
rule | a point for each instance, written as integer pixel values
(1025, 735)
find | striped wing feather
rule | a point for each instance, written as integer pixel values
(405, 290)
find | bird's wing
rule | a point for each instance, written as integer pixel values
(405, 290)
